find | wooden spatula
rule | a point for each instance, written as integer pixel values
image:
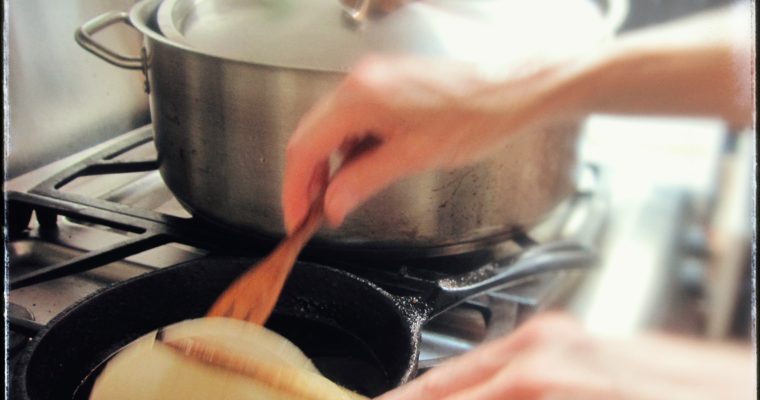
(253, 295)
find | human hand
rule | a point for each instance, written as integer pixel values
(552, 357)
(421, 114)
(432, 114)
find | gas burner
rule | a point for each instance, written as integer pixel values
(17, 340)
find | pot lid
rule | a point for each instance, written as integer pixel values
(331, 35)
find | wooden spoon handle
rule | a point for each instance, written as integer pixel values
(253, 296)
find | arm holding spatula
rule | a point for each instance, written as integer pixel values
(431, 114)
(434, 114)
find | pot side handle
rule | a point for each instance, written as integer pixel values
(84, 37)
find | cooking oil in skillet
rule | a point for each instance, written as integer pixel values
(339, 355)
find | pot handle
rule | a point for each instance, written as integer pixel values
(84, 38)
(357, 13)
(550, 257)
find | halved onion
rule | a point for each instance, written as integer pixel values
(214, 358)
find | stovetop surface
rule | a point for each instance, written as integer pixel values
(107, 217)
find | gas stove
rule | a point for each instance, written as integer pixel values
(108, 217)
(662, 213)
(104, 216)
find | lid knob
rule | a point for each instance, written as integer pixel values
(359, 10)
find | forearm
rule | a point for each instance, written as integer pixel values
(701, 66)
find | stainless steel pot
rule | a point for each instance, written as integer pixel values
(221, 126)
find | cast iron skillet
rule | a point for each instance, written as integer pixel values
(357, 334)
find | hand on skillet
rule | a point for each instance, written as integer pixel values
(552, 357)
(425, 114)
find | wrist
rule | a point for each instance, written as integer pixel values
(538, 94)
(584, 83)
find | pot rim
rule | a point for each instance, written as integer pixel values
(141, 13)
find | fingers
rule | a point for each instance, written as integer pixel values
(497, 388)
(484, 372)
(388, 5)
(465, 371)
(367, 174)
(320, 133)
